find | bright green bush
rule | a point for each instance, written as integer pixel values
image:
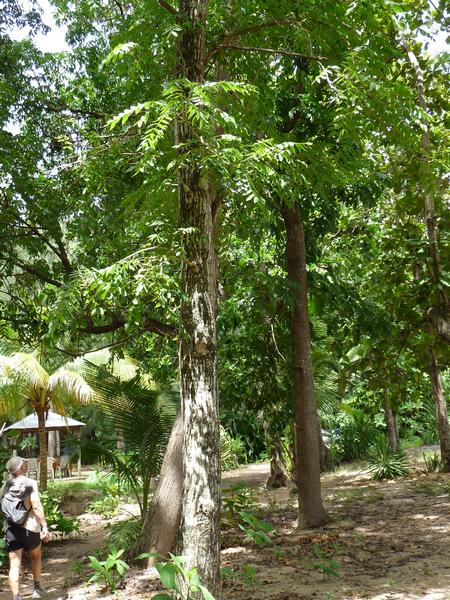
(385, 464)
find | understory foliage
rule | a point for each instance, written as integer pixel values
(141, 419)
(385, 464)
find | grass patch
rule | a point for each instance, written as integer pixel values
(367, 495)
(431, 488)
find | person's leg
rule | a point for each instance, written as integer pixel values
(15, 560)
(36, 563)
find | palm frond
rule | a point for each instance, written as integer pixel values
(22, 380)
(135, 411)
(122, 368)
(65, 385)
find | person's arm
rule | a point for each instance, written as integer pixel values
(38, 510)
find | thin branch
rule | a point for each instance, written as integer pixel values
(32, 271)
(118, 321)
(168, 7)
(281, 51)
(61, 109)
(226, 38)
(111, 345)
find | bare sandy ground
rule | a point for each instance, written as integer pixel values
(385, 541)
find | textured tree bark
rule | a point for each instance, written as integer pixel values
(442, 308)
(278, 475)
(42, 448)
(441, 411)
(52, 443)
(391, 424)
(311, 510)
(199, 533)
(161, 523)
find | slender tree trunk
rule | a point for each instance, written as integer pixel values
(278, 475)
(441, 411)
(160, 526)
(311, 510)
(199, 535)
(391, 423)
(42, 449)
(438, 314)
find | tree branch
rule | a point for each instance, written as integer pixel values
(281, 51)
(168, 7)
(226, 38)
(60, 109)
(118, 321)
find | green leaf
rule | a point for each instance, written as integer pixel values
(167, 574)
(206, 593)
(119, 51)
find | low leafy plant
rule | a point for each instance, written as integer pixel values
(232, 451)
(325, 564)
(168, 573)
(3, 553)
(57, 522)
(255, 529)
(385, 464)
(235, 499)
(110, 571)
(124, 535)
(432, 461)
(106, 506)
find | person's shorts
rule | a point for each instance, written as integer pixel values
(19, 537)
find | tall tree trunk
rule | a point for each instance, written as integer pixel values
(441, 411)
(391, 423)
(160, 526)
(311, 510)
(42, 448)
(199, 534)
(439, 313)
(52, 443)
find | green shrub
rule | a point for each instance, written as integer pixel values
(385, 464)
(231, 450)
(3, 553)
(235, 499)
(255, 529)
(172, 570)
(56, 521)
(432, 461)
(124, 535)
(110, 571)
(354, 438)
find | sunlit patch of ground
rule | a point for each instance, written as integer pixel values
(385, 541)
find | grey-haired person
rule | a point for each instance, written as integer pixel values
(26, 537)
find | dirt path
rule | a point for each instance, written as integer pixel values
(385, 541)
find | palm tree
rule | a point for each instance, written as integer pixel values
(24, 383)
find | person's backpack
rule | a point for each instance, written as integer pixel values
(12, 503)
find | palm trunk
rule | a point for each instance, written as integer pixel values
(200, 519)
(51, 451)
(42, 449)
(311, 510)
(160, 526)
